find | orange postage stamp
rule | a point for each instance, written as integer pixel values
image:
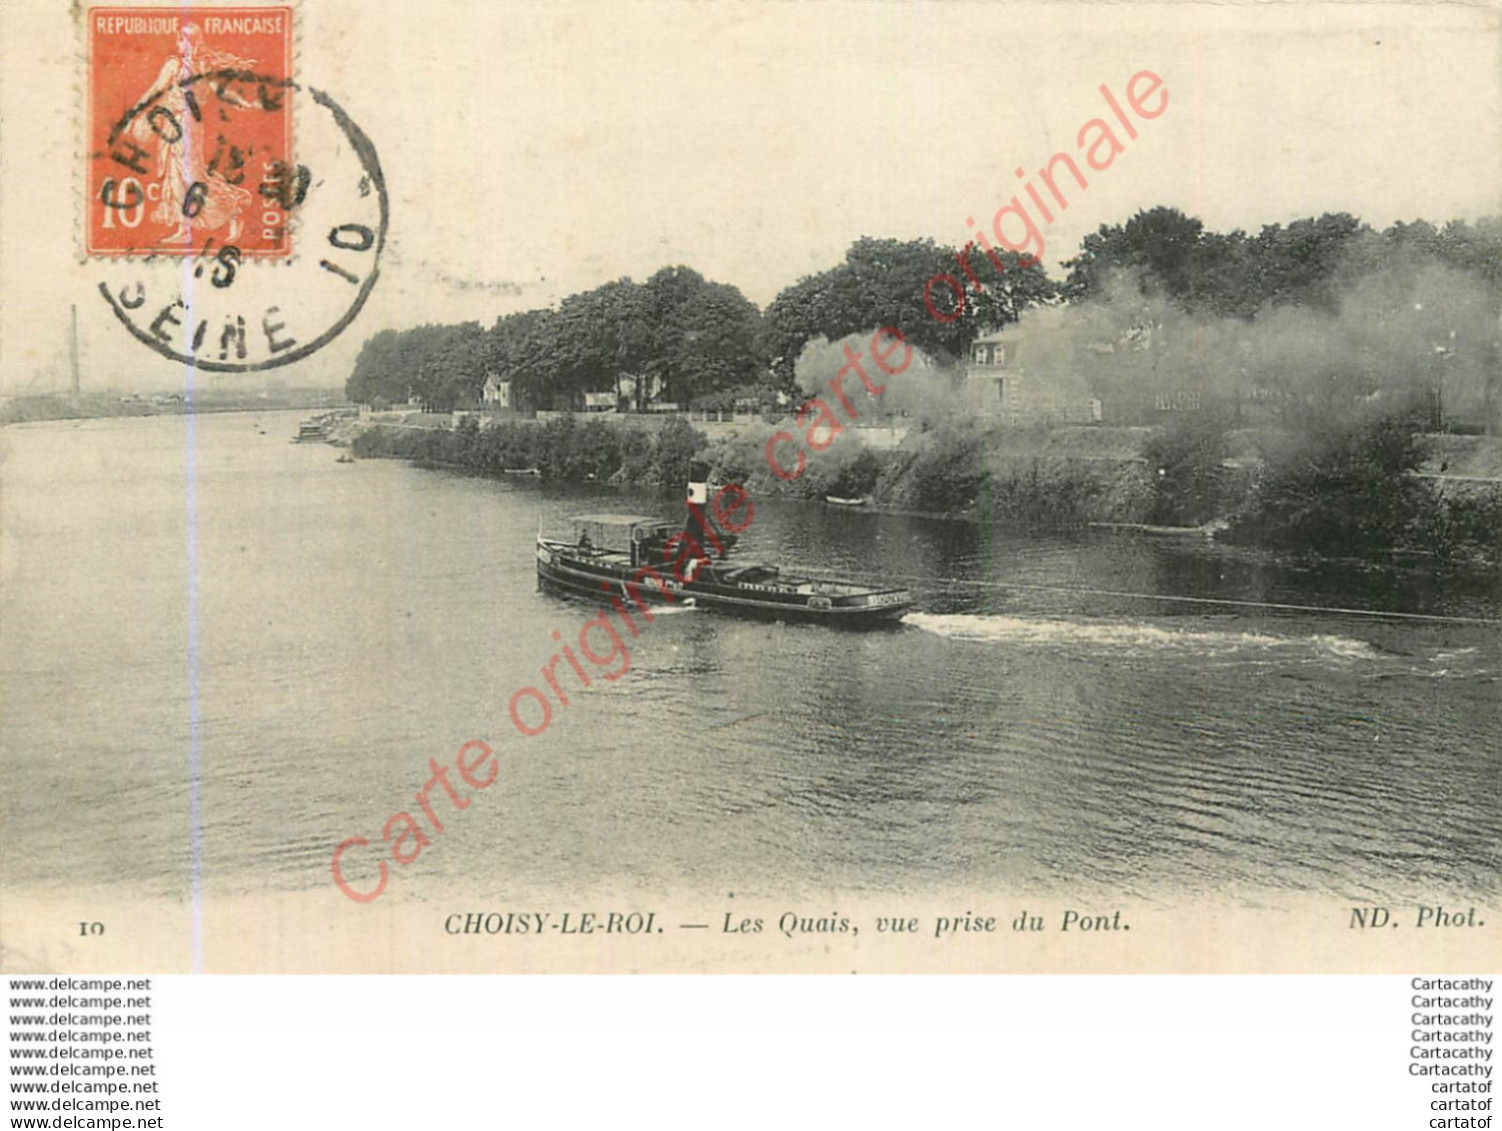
(190, 131)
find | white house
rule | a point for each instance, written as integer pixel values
(652, 387)
(1000, 388)
(994, 387)
(496, 392)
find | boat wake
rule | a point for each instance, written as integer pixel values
(1132, 636)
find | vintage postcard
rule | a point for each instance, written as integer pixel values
(764, 486)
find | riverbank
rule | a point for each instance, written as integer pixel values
(92, 406)
(1361, 497)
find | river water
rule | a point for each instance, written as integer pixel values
(182, 598)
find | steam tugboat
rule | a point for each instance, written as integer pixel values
(644, 559)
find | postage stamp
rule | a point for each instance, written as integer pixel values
(190, 131)
(193, 181)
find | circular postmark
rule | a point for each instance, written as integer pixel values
(250, 260)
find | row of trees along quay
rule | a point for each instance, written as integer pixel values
(680, 338)
(1315, 352)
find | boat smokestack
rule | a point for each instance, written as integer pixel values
(697, 521)
(698, 482)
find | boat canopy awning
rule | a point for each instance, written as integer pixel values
(617, 519)
(618, 531)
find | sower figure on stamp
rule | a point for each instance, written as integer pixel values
(174, 124)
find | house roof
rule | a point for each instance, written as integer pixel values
(988, 339)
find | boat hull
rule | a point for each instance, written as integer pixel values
(600, 582)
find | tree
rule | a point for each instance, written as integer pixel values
(701, 337)
(939, 298)
(443, 365)
(599, 337)
(1299, 264)
(378, 372)
(1159, 244)
(455, 367)
(521, 348)
(999, 294)
(1186, 461)
(1202, 272)
(1342, 489)
(677, 331)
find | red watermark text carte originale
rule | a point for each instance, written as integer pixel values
(816, 427)
(531, 709)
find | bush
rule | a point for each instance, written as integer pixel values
(676, 444)
(741, 458)
(1185, 460)
(1341, 490)
(634, 454)
(946, 474)
(1466, 526)
(857, 476)
(563, 449)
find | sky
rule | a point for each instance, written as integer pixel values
(536, 150)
